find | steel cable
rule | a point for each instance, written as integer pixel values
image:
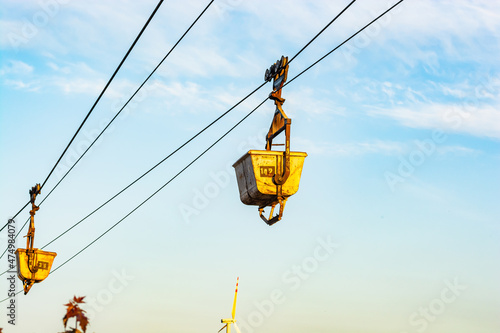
(199, 156)
(109, 123)
(94, 105)
(192, 138)
(225, 134)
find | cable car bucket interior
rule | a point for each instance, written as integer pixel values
(33, 265)
(269, 177)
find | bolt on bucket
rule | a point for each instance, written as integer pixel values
(255, 171)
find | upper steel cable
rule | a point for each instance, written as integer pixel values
(111, 121)
(345, 41)
(327, 54)
(189, 140)
(159, 64)
(104, 90)
(319, 33)
(95, 103)
(162, 187)
(211, 146)
(154, 193)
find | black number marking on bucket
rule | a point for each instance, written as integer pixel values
(43, 265)
(267, 171)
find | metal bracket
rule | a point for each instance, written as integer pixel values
(273, 219)
(30, 237)
(278, 73)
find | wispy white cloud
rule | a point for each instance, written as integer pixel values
(201, 60)
(19, 75)
(460, 27)
(470, 105)
(350, 149)
(377, 147)
(456, 150)
(190, 97)
(64, 76)
(311, 101)
(458, 93)
(23, 85)
(481, 121)
(57, 68)
(16, 67)
(220, 55)
(78, 86)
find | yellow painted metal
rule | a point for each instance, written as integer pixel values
(230, 321)
(235, 295)
(34, 265)
(255, 171)
(268, 178)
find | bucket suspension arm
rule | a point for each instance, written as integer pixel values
(278, 73)
(30, 238)
(33, 265)
(35, 190)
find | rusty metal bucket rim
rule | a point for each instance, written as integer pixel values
(268, 152)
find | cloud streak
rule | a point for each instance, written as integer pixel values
(478, 121)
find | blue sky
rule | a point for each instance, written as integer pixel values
(394, 227)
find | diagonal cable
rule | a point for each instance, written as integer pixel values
(95, 103)
(337, 47)
(159, 189)
(156, 165)
(206, 150)
(137, 207)
(345, 41)
(319, 33)
(111, 121)
(188, 141)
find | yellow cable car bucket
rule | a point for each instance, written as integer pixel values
(268, 177)
(255, 171)
(33, 265)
